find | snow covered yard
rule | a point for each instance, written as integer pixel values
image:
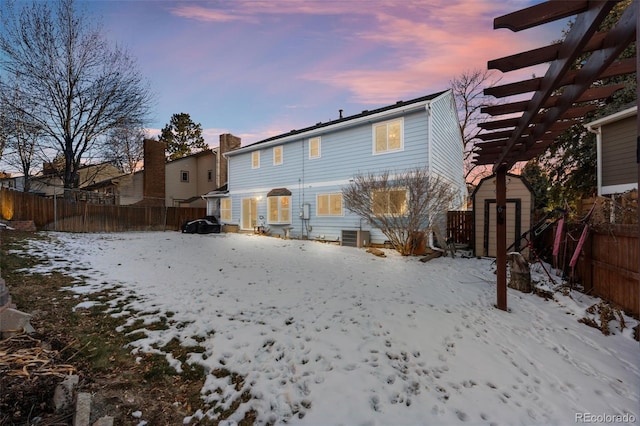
(328, 335)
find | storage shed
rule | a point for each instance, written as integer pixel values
(519, 213)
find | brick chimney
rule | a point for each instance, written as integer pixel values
(154, 178)
(228, 142)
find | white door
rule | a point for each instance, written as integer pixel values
(249, 213)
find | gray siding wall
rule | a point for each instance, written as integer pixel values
(344, 154)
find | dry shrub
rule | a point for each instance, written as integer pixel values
(601, 314)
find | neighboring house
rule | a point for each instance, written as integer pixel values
(125, 189)
(49, 181)
(11, 182)
(292, 183)
(189, 177)
(177, 183)
(616, 137)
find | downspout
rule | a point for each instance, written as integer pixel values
(598, 132)
(218, 164)
(427, 107)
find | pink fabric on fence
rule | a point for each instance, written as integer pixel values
(556, 242)
(581, 241)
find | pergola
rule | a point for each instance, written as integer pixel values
(559, 100)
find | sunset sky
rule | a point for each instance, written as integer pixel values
(260, 68)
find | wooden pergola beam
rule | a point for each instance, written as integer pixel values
(584, 27)
(539, 55)
(499, 124)
(616, 41)
(539, 14)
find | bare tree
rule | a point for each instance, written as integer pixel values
(77, 86)
(4, 126)
(125, 146)
(468, 90)
(20, 134)
(402, 205)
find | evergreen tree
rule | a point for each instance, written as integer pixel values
(182, 136)
(539, 182)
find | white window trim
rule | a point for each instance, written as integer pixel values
(319, 148)
(329, 194)
(255, 153)
(373, 133)
(275, 148)
(280, 221)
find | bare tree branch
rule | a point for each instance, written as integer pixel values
(468, 90)
(402, 205)
(77, 85)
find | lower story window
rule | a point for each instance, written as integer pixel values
(392, 202)
(279, 209)
(329, 204)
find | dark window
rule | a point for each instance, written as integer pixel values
(184, 176)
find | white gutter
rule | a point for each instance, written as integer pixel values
(629, 112)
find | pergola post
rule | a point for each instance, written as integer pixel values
(501, 237)
(637, 6)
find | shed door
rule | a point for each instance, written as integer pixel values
(249, 213)
(513, 226)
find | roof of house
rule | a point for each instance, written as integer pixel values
(339, 121)
(196, 154)
(218, 192)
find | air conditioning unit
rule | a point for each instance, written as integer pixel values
(355, 238)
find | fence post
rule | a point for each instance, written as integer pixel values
(55, 210)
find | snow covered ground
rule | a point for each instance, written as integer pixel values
(329, 335)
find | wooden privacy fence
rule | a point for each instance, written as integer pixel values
(610, 267)
(460, 226)
(608, 263)
(62, 215)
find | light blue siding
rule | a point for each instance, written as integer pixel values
(446, 144)
(346, 151)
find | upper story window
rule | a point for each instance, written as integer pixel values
(390, 203)
(277, 155)
(184, 176)
(314, 147)
(255, 160)
(209, 175)
(387, 137)
(329, 204)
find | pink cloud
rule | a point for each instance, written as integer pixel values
(429, 52)
(206, 14)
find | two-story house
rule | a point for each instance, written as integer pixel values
(292, 183)
(177, 183)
